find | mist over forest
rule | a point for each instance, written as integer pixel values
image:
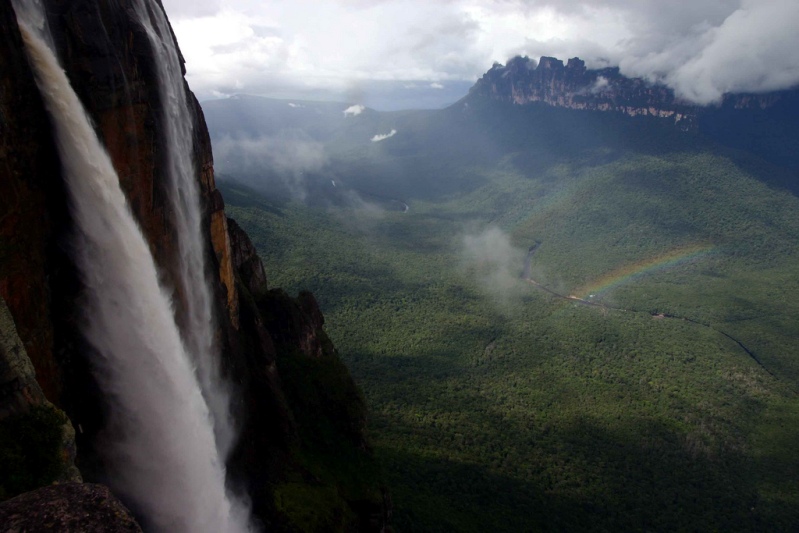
(577, 319)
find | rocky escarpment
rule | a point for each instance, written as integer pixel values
(573, 86)
(760, 123)
(109, 62)
(309, 465)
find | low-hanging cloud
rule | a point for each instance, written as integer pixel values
(752, 50)
(702, 50)
(354, 110)
(262, 162)
(599, 85)
(494, 264)
(384, 136)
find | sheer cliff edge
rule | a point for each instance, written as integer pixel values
(301, 456)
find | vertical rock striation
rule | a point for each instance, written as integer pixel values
(573, 86)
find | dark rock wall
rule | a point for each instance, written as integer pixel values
(108, 60)
(572, 86)
(31, 204)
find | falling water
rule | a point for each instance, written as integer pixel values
(185, 199)
(164, 458)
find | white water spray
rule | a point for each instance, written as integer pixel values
(164, 457)
(185, 199)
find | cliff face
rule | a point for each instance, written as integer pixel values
(760, 123)
(30, 213)
(108, 59)
(573, 86)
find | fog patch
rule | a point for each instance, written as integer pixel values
(362, 206)
(599, 85)
(494, 264)
(357, 214)
(384, 136)
(284, 162)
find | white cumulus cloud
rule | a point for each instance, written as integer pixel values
(354, 110)
(384, 136)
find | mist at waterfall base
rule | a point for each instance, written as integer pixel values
(163, 457)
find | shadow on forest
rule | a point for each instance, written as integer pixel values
(643, 479)
(450, 449)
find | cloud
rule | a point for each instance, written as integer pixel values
(177, 9)
(702, 49)
(436, 85)
(295, 106)
(599, 85)
(285, 161)
(494, 264)
(354, 110)
(384, 136)
(752, 50)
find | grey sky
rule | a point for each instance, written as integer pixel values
(392, 54)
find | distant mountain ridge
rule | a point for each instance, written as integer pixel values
(574, 86)
(741, 120)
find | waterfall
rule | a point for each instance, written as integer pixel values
(163, 457)
(184, 197)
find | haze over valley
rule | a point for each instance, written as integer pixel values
(567, 309)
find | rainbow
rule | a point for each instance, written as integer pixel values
(642, 268)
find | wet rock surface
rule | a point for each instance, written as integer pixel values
(81, 507)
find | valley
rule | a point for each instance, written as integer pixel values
(501, 404)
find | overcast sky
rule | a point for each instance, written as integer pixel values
(394, 54)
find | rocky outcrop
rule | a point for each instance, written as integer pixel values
(573, 86)
(223, 250)
(245, 259)
(19, 390)
(38, 441)
(81, 507)
(758, 123)
(296, 323)
(306, 412)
